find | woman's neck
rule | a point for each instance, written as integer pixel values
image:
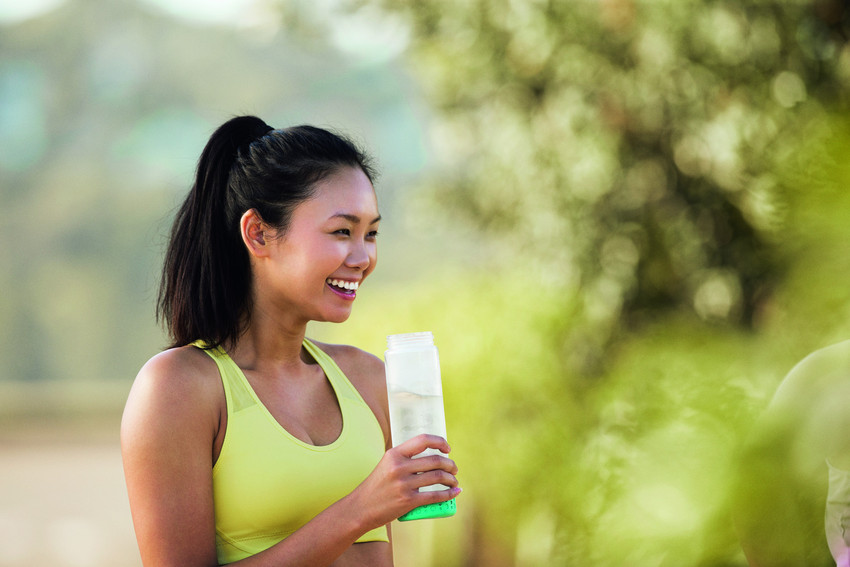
(271, 342)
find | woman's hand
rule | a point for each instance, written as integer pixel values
(392, 489)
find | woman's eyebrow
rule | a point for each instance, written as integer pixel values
(354, 218)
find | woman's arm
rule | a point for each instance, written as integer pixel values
(167, 436)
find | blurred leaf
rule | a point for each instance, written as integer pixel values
(631, 144)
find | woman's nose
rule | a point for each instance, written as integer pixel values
(359, 257)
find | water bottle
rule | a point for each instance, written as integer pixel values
(415, 394)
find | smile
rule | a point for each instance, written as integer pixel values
(344, 288)
(342, 284)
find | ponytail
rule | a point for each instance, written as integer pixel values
(205, 289)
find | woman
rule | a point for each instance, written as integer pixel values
(245, 442)
(794, 474)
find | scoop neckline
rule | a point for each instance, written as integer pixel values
(306, 343)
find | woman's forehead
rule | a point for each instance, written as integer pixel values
(346, 193)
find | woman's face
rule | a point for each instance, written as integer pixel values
(327, 251)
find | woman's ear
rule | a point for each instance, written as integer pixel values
(254, 231)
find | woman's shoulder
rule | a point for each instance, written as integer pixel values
(825, 367)
(178, 368)
(835, 357)
(175, 385)
(809, 392)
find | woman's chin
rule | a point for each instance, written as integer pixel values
(335, 317)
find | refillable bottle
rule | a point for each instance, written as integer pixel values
(415, 393)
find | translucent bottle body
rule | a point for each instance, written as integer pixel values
(415, 393)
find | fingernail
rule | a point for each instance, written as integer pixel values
(456, 490)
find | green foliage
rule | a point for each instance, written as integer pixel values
(632, 145)
(635, 465)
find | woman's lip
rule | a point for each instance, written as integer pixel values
(348, 296)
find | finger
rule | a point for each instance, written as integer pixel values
(432, 462)
(414, 446)
(434, 477)
(434, 496)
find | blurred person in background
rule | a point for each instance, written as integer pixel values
(245, 442)
(794, 480)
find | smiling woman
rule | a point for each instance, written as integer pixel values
(246, 442)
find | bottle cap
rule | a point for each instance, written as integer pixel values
(410, 340)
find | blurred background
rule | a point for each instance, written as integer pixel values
(623, 220)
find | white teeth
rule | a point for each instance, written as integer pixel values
(351, 286)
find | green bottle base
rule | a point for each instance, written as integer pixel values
(437, 510)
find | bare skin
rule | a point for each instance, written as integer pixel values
(784, 475)
(175, 420)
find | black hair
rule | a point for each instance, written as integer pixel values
(205, 290)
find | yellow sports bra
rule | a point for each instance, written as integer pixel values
(266, 482)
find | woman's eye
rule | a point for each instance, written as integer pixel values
(372, 234)
(343, 231)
